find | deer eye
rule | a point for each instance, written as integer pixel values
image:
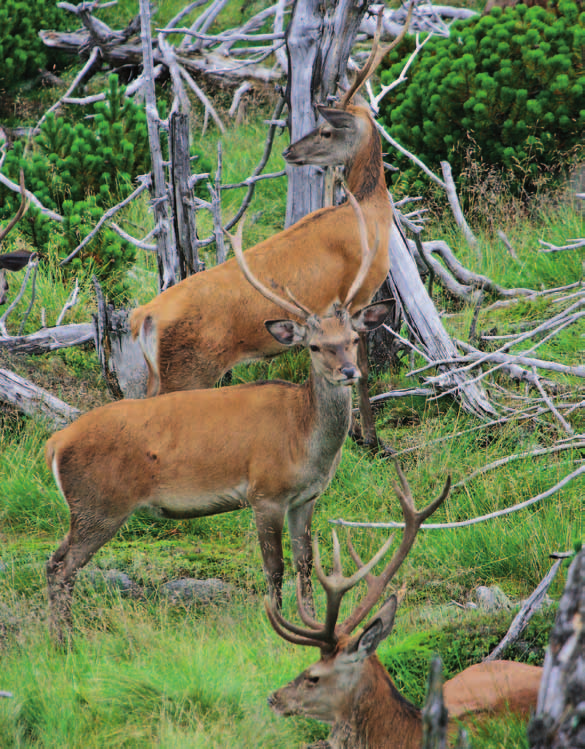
(326, 133)
(313, 679)
(313, 347)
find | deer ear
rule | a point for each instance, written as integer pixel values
(372, 316)
(287, 332)
(337, 117)
(377, 630)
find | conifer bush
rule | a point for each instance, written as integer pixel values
(80, 169)
(507, 88)
(21, 50)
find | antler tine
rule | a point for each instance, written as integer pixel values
(376, 55)
(412, 523)
(23, 208)
(236, 242)
(287, 630)
(365, 71)
(368, 254)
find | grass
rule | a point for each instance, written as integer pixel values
(146, 673)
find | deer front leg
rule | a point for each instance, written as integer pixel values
(269, 523)
(299, 524)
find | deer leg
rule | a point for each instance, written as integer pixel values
(269, 523)
(299, 524)
(75, 551)
(368, 425)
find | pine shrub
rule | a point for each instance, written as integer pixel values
(21, 50)
(507, 88)
(80, 169)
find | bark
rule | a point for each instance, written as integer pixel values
(121, 359)
(560, 712)
(35, 401)
(49, 339)
(182, 195)
(319, 38)
(167, 256)
(424, 322)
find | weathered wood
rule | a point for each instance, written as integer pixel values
(35, 401)
(423, 319)
(49, 339)
(182, 196)
(167, 255)
(434, 713)
(560, 713)
(121, 359)
(319, 38)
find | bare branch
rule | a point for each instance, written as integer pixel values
(472, 521)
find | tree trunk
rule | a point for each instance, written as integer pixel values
(319, 38)
(560, 718)
(182, 195)
(421, 315)
(168, 261)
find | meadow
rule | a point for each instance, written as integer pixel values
(146, 671)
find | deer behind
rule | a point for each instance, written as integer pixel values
(192, 333)
(350, 689)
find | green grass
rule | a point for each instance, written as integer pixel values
(144, 673)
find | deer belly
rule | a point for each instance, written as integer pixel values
(196, 505)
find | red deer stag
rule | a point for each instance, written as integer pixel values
(194, 332)
(272, 446)
(13, 261)
(350, 689)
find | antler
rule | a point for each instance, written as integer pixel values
(326, 636)
(368, 254)
(295, 308)
(377, 53)
(21, 211)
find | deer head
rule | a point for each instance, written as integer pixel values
(333, 689)
(332, 340)
(347, 126)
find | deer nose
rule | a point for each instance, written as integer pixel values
(350, 372)
(271, 699)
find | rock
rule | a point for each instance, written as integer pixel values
(492, 598)
(190, 590)
(115, 581)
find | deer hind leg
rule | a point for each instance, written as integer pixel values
(299, 524)
(75, 551)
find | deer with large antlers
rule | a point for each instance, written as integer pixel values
(195, 331)
(350, 689)
(271, 446)
(13, 261)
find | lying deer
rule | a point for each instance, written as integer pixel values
(350, 689)
(13, 261)
(194, 332)
(271, 446)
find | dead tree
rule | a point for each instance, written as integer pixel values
(559, 722)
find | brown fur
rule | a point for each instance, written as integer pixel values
(273, 447)
(372, 714)
(209, 322)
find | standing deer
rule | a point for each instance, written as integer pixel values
(13, 261)
(350, 689)
(195, 331)
(271, 446)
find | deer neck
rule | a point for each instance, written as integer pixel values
(330, 406)
(365, 174)
(376, 715)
